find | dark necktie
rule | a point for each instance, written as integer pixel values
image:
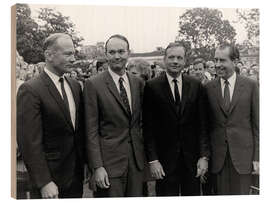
(65, 99)
(123, 95)
(226, 95)
(177, 96)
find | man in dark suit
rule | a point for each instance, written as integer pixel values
(50, 124)
(233, 107)
(114, 141)
(173, 127)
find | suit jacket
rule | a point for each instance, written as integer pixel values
(168, 133)
(49, 143)
(239, 127)
(109, 126)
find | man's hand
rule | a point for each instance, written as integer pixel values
(101, 178)
(156, 170)
(202, 168)
(49, 191)
(256, 167)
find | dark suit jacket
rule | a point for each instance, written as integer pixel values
(167, 132)
(239, 127)
(49, 144)
(109, 126)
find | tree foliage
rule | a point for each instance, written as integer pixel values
(32, 32)
(204, 29)
(250, 18)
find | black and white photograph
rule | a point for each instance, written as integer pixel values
(134, 101)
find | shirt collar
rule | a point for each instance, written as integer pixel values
(170, 78)
(231, 79)
(116, 76)
(52, 75)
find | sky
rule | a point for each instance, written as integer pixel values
(145, 27)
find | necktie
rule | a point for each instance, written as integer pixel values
(123, 95)
(226, 95)
(177, 96)
(65, 99)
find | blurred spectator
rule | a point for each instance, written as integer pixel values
(239, 65)
(210, 70)
(244, 71)
(101, 65)
(140, 68)
(253, 74)
(191, 71)
(158, 70)
(199, 70)
(73, 74)
(153, 67)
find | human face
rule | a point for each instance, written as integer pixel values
(225, 67)
(174, 61)
(211, 68)
(198, 70)
(73, 74)
(135, 71)
(61, 56)
(117, 55)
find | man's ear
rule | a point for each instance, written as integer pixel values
(48, 54)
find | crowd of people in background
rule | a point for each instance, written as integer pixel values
(199, 68)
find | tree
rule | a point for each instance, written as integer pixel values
(53, 21)
(27, 35)
(204, 29)
(250, 17)
(32, 33)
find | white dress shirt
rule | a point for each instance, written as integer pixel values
(72, 108)
(231, 84)
(115, 78)
(179, 84)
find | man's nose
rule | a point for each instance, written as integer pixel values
(217, 64)
(117, 55)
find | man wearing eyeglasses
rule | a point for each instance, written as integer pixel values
(113, 125)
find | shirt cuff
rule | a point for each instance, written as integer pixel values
(150, 162)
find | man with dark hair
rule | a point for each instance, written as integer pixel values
(50, 124)
(199, 70)
(176, 142)
(233, 106)
(114, 141)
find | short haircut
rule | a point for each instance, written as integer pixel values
(176, 44)
(51, 40)
(234, 52)
(199, 60)
(208, 63)
(118, 37)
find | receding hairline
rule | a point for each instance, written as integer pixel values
(52, 40)
(117, 36)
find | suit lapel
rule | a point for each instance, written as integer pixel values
(56, 95)
(134, 89)
(185, 93)
(113, 89)
(238, 90)
(168, 92)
